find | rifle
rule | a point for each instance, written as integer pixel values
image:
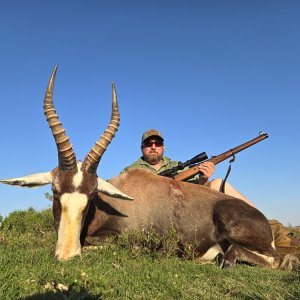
(189, 163)
(214, 159)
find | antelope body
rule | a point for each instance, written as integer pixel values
(86, 205)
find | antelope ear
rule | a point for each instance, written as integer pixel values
(108, 189)
(30, 181)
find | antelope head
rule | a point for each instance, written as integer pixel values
(73, 182)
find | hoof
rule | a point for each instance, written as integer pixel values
(226, 264)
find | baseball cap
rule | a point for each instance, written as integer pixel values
(152, 132)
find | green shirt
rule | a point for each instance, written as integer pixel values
(142, 164)
(166, 165)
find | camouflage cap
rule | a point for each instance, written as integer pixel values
(152, 132)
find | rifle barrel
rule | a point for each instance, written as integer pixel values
(219, 158)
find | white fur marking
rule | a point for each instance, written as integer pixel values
(273, 245)
(268, 259)
(68, 243)
(77, 179)
(211, 253)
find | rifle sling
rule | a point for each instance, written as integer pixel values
(222, 186)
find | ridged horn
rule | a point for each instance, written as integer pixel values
(92, 160)
(66, 155)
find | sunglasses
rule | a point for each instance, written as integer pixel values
(156, 143)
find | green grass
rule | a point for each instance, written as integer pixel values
(125, 269)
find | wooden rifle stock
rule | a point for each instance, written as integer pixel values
(219, 158)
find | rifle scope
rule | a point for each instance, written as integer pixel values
(196, 159)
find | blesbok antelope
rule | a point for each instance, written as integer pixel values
(86, 205)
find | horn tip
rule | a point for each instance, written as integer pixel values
(114, 90)
(55, 69)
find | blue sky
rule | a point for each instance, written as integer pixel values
(209, 74)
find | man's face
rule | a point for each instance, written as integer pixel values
(153, 150)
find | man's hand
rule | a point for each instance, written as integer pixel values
(207, 169)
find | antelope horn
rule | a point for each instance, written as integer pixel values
(66, 155)
(92, 160)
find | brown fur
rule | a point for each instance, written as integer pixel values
(198, 213)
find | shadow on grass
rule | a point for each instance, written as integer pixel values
(70, 295)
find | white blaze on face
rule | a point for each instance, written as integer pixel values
(77, 179)
(68, 243)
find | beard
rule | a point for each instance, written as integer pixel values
(153, 158)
